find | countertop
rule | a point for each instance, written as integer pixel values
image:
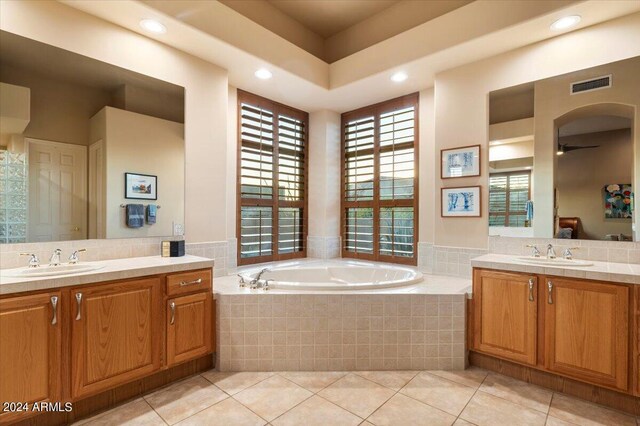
(602, 271)
(116, 269)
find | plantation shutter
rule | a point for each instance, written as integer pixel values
(272, 180)
(508, 195)
(379, 181)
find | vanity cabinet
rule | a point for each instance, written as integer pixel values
(116, 334)
(30, 350)
(587, 331)
(188, 327)
(580, 329)
(505, 315)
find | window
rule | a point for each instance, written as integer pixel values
(508, 196)
(379, 183)
(272, 185)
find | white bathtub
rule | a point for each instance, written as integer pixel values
(335, 275)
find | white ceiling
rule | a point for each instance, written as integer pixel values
(478, 30)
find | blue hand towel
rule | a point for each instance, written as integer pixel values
(529, 209)
(135, 215)
(152, 211)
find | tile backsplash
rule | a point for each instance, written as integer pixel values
(605, 251)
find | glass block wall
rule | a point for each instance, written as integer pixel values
(13, 197)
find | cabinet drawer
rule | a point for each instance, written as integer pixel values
(188, 282)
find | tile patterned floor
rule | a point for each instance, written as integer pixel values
(378, 398)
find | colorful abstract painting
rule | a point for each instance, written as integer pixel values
(618, 201)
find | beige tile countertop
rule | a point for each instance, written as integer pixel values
(601, 271)
(116, 269)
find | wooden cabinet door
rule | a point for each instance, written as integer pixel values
(587, 331)
(189, 325)
(30, 350)
(116, 332)
(505, 315)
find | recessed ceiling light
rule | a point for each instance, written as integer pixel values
(566, 22)
(399, 76)
(153, 26)
(263, 74)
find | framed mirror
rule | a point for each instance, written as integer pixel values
(563, 155)
(72, 128)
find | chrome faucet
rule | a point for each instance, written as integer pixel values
(567, 255)
(551, 253)
(73, 259)
(253, 284)
(34, 262)
(242, 282)
(54, 260)
(536, 252)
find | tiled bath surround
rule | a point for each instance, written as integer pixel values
(323, 247)
(277, 332)
(451, 261)
(604, 251)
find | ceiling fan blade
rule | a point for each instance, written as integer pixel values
(575, 148)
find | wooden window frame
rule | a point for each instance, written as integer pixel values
(507, 211)
(275, 203)
(376, 110)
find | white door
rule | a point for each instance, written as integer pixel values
(57, 191)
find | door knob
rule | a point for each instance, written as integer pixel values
(75, 229)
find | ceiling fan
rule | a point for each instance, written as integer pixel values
(563, 147)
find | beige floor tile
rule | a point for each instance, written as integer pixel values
(392, 379)
(517, 391)
(225, 413)
(574, 410)
(232, 383)
(136, 412)
(313, 381)
(489, 410)
(401, 410)
(552, 421)
(184, 398)
(272, 397)
(440, 393)
(356, 394)
(317, 411)
(366, 423)
(461, 422)
(471, 377)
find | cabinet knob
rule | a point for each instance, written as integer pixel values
(550, 293)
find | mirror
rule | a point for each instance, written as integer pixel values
(71, 128)
(563, 155)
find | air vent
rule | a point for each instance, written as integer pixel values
(590, 85)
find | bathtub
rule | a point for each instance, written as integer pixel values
(335, 275)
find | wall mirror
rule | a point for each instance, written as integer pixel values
(564, 155)
(71, 128)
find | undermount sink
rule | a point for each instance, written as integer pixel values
(544, 261)
(52, 271)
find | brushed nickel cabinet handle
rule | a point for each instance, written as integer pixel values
(172, 306)
(79, 306)
(54, 307)
(550, 298)
(531, 282)
(183, 283)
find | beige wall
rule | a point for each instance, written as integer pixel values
(462, 113)
(428, 160)
(206, 92)
(137, 143)
(60, 111)
(582, 175)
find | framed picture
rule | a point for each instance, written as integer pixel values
(464, 201)
(140, 187)
(618, 201)
(460, 162)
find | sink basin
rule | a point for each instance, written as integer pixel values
(52, 271)
(543, 261)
